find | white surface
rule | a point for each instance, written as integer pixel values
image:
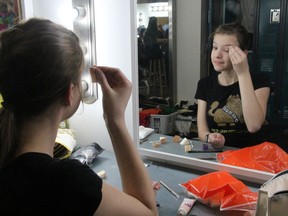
(188, 26)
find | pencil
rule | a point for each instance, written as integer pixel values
(170, 190)
(204, 151)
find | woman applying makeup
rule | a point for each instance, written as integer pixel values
(41, 66)
(232, 102)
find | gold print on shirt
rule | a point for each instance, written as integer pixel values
(229, 115)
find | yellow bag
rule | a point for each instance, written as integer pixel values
(1, 100)
(64, 144)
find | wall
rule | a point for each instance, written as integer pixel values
(114, 48)
(188, 24)
(58, 11)
(115, 34)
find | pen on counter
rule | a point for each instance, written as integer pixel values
(170, 190)
(157, 204)
(156, 187)
(143, 140)
(205, 151)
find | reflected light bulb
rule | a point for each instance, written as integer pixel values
(84, 86)
(81, 12)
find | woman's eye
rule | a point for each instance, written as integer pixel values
(226, 49)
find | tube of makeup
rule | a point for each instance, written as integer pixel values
(185, 206)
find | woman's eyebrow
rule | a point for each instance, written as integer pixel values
(224, 44)
(227, 46)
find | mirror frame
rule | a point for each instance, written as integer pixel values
(250, 175)
(84, 27)
(172, 90)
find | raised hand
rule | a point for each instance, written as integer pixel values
(116, 90)
(239, 60)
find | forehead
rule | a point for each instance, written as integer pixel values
(225, 40)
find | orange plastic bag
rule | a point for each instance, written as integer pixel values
(267, 157)
(221, 189)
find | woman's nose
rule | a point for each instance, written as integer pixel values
(218, 53)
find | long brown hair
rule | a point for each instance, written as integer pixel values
(38, 61)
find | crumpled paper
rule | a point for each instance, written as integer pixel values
(144, 132)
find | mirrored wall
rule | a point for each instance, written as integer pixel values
(191, 41)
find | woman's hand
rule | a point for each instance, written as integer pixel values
(217, 140)
(134, 200)
(156, 185)
(239, 60)
(116, 90)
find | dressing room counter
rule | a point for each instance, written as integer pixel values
(176, 148)
(171, 175)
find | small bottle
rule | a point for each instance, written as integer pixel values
(185, 206)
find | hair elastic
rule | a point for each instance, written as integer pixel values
(8, 106)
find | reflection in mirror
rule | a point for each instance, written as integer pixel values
(155, 50)
(262, 57)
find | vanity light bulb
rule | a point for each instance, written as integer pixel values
(81, 12)
(154, 8)
(84, 86)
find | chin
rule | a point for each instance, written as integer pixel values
(218, 69)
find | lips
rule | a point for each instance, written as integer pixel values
(217, 63)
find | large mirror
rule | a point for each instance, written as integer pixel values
(156, 50)
(194, 21)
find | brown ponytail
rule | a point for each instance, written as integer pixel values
(8, 136)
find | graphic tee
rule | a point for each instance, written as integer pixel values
(224, 109)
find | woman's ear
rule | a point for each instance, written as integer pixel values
(69, 95)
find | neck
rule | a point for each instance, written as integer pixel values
(227, 78)
(38, 136)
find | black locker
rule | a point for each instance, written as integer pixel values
(270, 53)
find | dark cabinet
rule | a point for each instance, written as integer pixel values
(271, 56)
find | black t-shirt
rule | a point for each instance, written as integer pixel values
(153, 49)
(224, 109)
(36, 184)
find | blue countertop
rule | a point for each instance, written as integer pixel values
(172, 176)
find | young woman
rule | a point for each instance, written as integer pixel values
(154, 40)
(232, 102)
(40, 81)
